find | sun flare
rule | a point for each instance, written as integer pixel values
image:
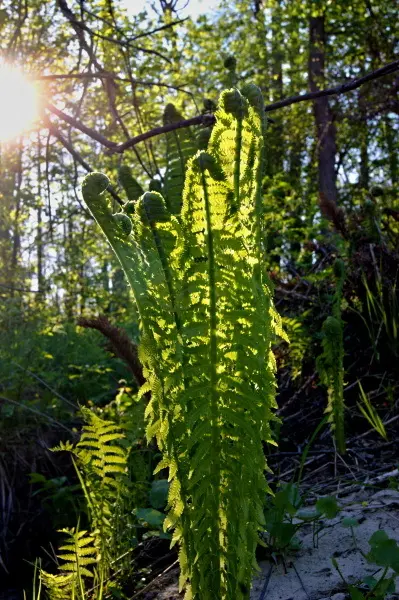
(19, 102)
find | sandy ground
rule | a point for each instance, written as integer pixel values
(309, 574)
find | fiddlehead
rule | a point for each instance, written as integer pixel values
(208, 321)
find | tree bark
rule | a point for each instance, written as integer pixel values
(325, 128)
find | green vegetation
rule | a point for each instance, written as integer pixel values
(207, 317)
(198, 271)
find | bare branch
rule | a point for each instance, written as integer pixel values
(205, 120)
(108, 75)
(68, 146)
(208, 120)
(343, 88)
(162, 28)
(80, 26)
(140, 35)
(83, 128)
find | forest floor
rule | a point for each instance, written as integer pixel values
(309, 574)
(365, 483)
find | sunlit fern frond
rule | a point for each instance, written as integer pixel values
(207, 324)
(98, 447)
(79, 555)
(101, 465)
(180, 147)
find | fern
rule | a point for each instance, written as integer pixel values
(101, 464)
(330, 364)
(180, 147)
(207, 324)
(79, 555)
(132, 188)
(299, 342)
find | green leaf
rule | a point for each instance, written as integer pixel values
(150, 516)
(328, 506)
(385, 554)
(349, 522)
(288, 499)
(159, 493)
(378, 538)
(308, 513)
(283, 533)
(370, 581)
(355, 593)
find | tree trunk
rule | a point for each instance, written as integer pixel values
(325, 128)
(364, 175)
(39, 230)
(277, 56)
(392, 147)
(16, 235)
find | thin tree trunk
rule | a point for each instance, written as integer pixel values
(39, 230)
(16, 236)
(277, 86)
(364, 176)
(325, 128)
(393, 148)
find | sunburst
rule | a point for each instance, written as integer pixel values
(19, 102)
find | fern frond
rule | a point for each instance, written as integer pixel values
(330, 364)
(180, 147)
(331, 370)
(78, 553)
(207, 323)
(131, 186)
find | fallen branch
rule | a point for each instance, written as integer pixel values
(120, 343)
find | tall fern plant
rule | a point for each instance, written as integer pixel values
(330, 364)
(207, 324)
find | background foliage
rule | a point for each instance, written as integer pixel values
(330, 191)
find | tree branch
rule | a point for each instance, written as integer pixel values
(83, 128)
(343, 88)
(79, 25)
(205, 120)
(108, 75)
(68, 146)
(162, 28)
(208, 120)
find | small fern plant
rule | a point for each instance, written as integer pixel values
(79, 555)
(101, 464)
(207, 324)
(330, 364)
